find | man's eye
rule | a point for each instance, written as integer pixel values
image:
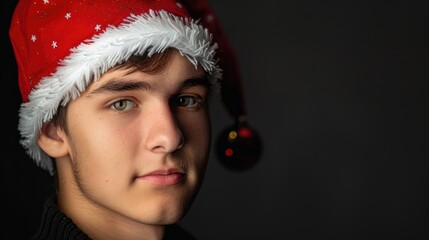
(189, 101)
(122, 105)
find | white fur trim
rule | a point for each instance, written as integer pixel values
(149, 33)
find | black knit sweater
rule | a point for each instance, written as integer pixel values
(55, 225)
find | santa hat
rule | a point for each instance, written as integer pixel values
(62, 45)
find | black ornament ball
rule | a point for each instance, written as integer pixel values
(239, 147)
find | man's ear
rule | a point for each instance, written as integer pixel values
(51, 140)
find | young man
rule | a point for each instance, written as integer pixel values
(115, 107)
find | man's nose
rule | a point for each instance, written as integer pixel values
(164, 133)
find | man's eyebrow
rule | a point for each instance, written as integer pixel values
(118, 85)
(197, 81)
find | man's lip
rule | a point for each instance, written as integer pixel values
(163, 177)
(163, 172)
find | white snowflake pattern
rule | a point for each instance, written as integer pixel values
(68, 15)
(97, 27)
(33, 38)
(54, 44)
(45, 1)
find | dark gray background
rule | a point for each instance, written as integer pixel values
(338, 92)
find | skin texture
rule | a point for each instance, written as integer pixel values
(121, 129)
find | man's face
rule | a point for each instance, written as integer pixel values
(138, 145)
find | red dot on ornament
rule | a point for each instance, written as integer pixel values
(229, 152)
(245, 132)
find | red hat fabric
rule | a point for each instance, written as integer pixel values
(62, 45)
